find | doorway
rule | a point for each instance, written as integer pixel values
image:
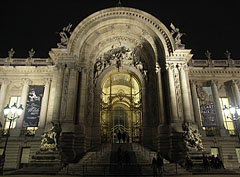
(121, 108)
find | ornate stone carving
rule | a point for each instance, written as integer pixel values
(192, 137)
(208, 54)
(227, 54)
(178, 92)
(65, 35)
(11, 53)
(120, 12)
(177, 37)
(31, 53)
(119, 56)
(158, 68)
(50, 139)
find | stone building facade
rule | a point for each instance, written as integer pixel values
(121, 69)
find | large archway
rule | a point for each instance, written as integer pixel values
(121, 107)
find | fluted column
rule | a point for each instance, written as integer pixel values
(185, 93)
(3, 93)
(173, 101)
(58, 93)
(236, 92)
(195, 104)
(44, 106)
(23, 100)
(217, 104)
(160, 95)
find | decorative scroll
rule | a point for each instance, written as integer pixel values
(33, 106)
(207, 109)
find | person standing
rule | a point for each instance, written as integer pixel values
(119, 135)
(124, 136)
(160, 164)
(154, 167)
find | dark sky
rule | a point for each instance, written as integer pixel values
(211, 25)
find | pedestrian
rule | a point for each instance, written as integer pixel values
(124, 136)
(154, 167)
(160, 164)
(119, 135)
(205, 162)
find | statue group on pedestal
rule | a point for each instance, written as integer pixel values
(50, 138)
(192, 137)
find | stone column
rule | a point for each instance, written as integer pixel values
(71, 101)
(23, 101)
(3, 93)
(236, 92)
(83, 91)
(44, 106)
(185, 95)
(195, 104)
(173, 101)
(162, 118)
(217, 106)
(58, 93)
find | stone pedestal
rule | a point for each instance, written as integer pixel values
(45, 160)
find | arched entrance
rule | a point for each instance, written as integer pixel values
(121, 107)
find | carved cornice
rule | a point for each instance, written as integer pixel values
(25, 69)
(213, 71)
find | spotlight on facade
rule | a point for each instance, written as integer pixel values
(10, 113)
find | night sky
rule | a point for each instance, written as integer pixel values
(27, 24)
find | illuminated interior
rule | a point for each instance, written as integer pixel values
(121, 107)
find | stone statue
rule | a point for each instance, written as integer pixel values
(119, 56)
(11, 53)
(177, 36)
(50, 139)
(208, 55)
(228, 54)
(65, 35)
(31, 53)
(192, 137)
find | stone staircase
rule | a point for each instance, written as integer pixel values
(105, 162)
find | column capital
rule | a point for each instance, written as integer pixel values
(60, 66)
(194, 82)
(214, 82)
(47, 81)
(26, 81)
(170, 66)
(6, 81)
(182, 66)
(237, 82)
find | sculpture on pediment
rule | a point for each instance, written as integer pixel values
(50, 139)
(119, 56)
(11, 53)
(192, 137)
(177, 36)
(65, 35)
(31, 53)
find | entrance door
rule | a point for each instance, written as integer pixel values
(121, 108)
